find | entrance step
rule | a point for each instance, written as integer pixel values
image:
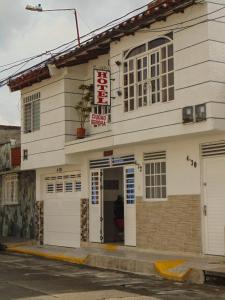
(114, 262)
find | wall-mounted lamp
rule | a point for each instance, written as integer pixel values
(119, 93)
(139, 166)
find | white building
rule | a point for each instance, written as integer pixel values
(164, 149)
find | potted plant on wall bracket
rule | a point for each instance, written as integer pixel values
(83, 108)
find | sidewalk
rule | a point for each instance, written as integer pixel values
(168, 265)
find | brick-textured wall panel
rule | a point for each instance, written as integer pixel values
(173, 225)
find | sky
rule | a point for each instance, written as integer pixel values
(24, 34)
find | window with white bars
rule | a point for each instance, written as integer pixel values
(68, 183)
(130, 186)
(31, 113)
(148, 74)
(155, 180)
(50, 188)
(68, 187)
(10, 189)
(95, 187)
(102, 110)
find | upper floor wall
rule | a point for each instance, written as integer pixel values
(43, 122)
(199, 67)
(193, 74)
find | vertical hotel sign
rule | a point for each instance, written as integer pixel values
(102, 87)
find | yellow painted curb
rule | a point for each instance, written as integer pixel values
(13, 245)
(60, 257)
(110, 247)
(163, 268)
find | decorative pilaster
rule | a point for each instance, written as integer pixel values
(39, 220)
(84, 206)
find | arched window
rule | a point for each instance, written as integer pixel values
(148, 73)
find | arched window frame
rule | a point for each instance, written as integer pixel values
(148, 73)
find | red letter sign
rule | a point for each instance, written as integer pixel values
(102, 86)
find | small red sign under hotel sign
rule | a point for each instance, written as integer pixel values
(108, 153)
(98, 120)
(102, 87)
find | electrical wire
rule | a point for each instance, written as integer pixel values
(89, 33)
(68, 48)
(67, 44)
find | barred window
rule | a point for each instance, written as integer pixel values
(31, 112)
(10, 189)
(102, 110)
(155, 180)
(66, 183)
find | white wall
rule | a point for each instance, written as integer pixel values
(46, 146)
(41, 173)
(198, 79)
(182, 178)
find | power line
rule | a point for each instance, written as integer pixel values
(68, 48)
(89, 33)
(67, 44)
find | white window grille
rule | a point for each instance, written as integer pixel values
(68, 187)
(50, 188)
(31, 112)
(155, 180)
(59, 187)
(67, 183)
(102, 110)
(130, 185)
(77, 186)
(148, 74)
(10, 189)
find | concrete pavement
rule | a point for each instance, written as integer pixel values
(168, 265)
(25, 277)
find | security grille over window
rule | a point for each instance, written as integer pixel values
(50, 188)
(130, 185)
(112, 161)
(66, 183)
(213, 149)
(155, 175)
(100, 163)
(31, 112)
(95, 186)
(102, 110)
(123, 160)
(10, 189)
(155, 155)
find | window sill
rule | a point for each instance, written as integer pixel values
(142, 108)
(155, 200)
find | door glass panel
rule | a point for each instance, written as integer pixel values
(95, 187)
(129, 186)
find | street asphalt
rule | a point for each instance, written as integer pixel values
(27, 277)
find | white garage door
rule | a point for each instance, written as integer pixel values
(62, 210)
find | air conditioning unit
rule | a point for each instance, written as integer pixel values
(188, 114)
(200, 112)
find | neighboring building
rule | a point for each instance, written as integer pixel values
(17, 188)
(164, 150)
